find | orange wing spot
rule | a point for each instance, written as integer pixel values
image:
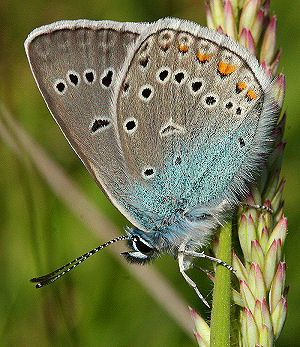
(203, 58)
(251, 95)
(240, 86)
(183, 49)
(225, 69)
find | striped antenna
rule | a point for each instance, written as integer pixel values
(55, 275)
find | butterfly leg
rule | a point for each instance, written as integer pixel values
(203, 255)
(258, 207)
(183, 268)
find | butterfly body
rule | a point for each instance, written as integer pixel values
(172, 120)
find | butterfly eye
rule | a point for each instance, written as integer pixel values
(142, 247)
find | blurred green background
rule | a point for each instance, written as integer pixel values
(100, 304)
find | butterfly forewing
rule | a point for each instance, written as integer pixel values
(75, 64)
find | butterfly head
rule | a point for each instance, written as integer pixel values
(142, 247)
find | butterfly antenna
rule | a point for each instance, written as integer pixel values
(55, 275)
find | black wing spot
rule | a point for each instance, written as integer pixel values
(229, 105)
(210, 100)
(144, 62)
(148, 172)
(107, 79)
(90, 76)
(238, 111)
(179, 77)
(163, 75)
(178, 161)
(73, 79)
(130, 125)
(60, 86)
(168, 130)
(196, 86)
(125, 87)
(242, 142)
(146, 93)
(100, 124)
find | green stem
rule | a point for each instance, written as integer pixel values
(220, 315)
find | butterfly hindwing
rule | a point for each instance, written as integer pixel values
(191, 109)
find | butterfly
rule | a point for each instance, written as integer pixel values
(172, 120)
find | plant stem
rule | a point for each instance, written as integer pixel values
(220, 315)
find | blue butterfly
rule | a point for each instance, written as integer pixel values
(172, 120)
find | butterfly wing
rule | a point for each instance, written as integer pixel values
(180, 123)
(75, 65)
(195, 117)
